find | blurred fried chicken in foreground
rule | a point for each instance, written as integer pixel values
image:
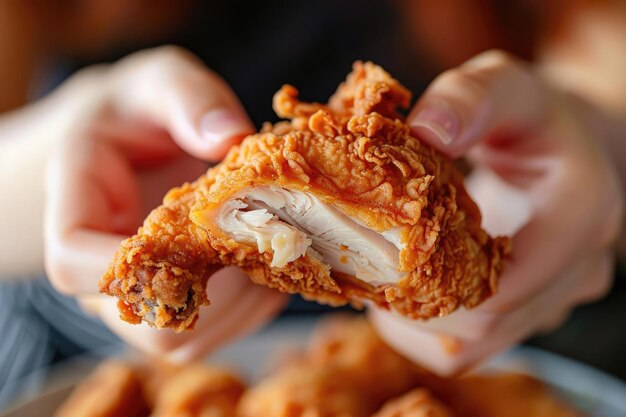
(497, 395)
(114, 389)
(121, 389)
(347, 371)
(341, 204)
(302, 390)
(352, 346)
(199, 391)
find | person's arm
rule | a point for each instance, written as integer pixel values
(28, 137)
(24, 146)
(24, 149)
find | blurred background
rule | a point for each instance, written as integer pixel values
(257, 47)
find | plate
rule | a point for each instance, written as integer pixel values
(591, 391)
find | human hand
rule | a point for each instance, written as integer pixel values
(125, 135)
(566, 198)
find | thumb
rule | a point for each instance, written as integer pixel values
(473, 102)
(173, 89)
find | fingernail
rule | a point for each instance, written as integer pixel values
(437, 121)
(222, 124)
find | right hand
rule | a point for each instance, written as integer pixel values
(545, 146)
(123, 136)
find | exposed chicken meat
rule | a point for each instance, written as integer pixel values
(288, 222)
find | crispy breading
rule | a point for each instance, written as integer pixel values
(355, 154)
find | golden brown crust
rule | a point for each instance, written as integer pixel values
(160, 274)
(355, 153)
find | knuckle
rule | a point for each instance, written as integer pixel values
(170, 56)
(86, 79)
(494, 59)
(459, 80)
(172, 67)
(497, 64)
(90, 74)
(499, 57)
(167, 59)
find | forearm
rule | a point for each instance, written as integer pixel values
(23, 155)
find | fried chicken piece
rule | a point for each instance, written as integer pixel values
(114, 389)
(199, 391)
(340, 204)
(303, 390)
(351, 345)
(511, 395)
(416, 403)
(346, 371)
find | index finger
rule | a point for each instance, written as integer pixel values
(175, 90)
(531, 141)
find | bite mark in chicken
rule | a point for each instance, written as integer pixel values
(340, 204)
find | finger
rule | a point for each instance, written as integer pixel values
(176, 91)
(90, 189)
(533, 266)
(464, 340)
(505, 209)
(473, 102)
(447, 353)
(435, 352)
(533, 144)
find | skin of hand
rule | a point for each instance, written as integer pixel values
(129, 132)
(540, 169)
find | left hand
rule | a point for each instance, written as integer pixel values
(123, 135)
